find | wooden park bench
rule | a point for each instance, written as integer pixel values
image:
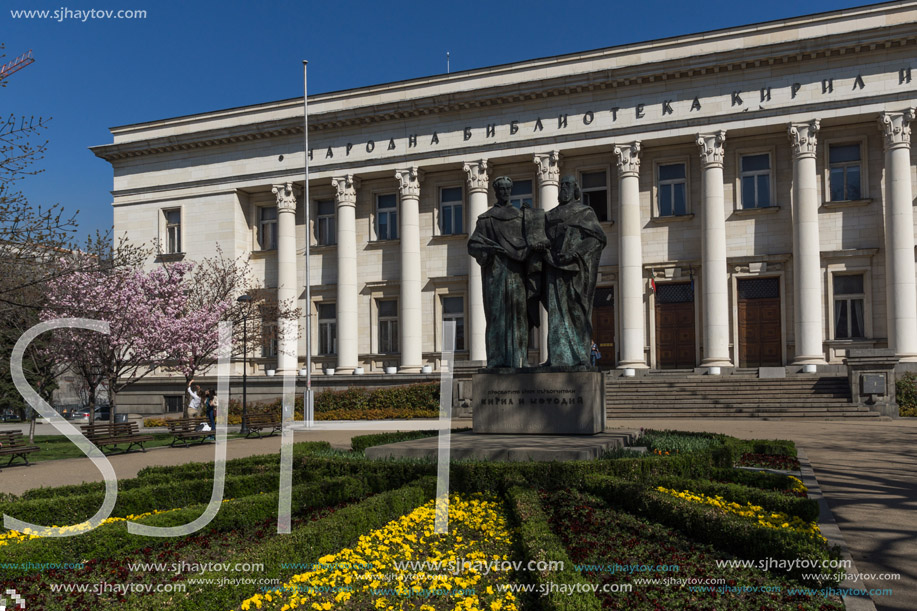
(115, 434)
(15, 446)
(255, 423)
(185, 430)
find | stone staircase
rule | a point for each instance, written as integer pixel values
(684, 394)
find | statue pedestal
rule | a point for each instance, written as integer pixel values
(546, 403)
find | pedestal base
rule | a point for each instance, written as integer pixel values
(544, 403)
(469, 446)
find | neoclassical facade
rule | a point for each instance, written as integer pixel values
(755, 185)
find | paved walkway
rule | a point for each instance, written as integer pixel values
(867, 471)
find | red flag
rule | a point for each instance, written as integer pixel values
(653, 284)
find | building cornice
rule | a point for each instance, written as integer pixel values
(615, 68)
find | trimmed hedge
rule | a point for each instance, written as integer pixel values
(78, 508)
(361, 442)
(413, 399)
(113, 540)
(735, 534)
(755, 479)
(807, 509)
(305, 544)
(539, 543)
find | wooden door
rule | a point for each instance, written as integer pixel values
(675, 333)
(603, 325)
(759, 322)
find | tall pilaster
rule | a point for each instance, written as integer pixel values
(478, 184)
(806, 248)
(713, 246)
(548, 173)
(410, 322)
(345, 202)
(630, 258)
(288, 337)
(899, 234)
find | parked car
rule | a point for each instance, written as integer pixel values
(9, 415)
(103, 413)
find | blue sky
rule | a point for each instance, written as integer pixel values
(191, 56)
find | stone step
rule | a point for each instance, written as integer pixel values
(842, 416)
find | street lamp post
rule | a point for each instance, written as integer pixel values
(244, 300)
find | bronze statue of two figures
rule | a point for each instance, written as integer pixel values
(530, 256)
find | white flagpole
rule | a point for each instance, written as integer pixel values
(308, 405)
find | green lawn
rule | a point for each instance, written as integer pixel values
(54, 447)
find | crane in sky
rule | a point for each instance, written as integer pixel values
(17, 64)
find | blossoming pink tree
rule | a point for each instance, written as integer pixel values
(144, 311)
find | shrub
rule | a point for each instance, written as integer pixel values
(676, 442)
(361, 442)
(906, 395)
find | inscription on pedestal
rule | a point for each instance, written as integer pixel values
(556, 403)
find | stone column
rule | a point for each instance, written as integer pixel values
(713, 246)
(899, 234)
(630, 259)
(807, 273)
(345, 202)
(286, 275)
(548, 173)
(409, 324)
(478, 184)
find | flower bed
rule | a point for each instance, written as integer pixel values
(478, 534)
(692, 494)
(614, 548)
(769, 461)
(768, 519)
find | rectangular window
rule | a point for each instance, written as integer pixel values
(387, 217)
(174, 404)
(388, 326)
(267, 228)
(454, 309)
(756, 181)
(173, 231)
(849, 299)
(268, 339)
(595, 193)
(324, 225)
(672, 190)
(844, 171)
(521, 195)
(450, 211)
(327, 328)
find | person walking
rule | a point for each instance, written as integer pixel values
(594, 354)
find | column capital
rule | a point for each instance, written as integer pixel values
(896, 127)
(628, 158)
(286, 194)
(409, 180)
(346, 189)
(711, 148)
(548, 167)
(478, 181)
(804, 138)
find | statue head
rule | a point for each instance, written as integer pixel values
(569, 191)
(503, 187)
